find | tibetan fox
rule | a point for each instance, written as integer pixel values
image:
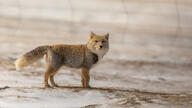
(76, 56)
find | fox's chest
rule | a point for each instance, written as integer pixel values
(89, 60)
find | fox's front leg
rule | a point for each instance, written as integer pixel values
(85, 78)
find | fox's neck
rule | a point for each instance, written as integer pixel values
(99, 55)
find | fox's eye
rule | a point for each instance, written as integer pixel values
(103, 41)
(96, 41)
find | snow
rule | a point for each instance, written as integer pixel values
(26, 98)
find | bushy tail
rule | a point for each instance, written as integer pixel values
(31, 57)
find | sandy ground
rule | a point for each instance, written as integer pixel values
(149, 64)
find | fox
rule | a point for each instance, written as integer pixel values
(83, 56)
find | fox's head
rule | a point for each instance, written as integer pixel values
(98, 44)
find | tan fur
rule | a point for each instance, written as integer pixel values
(85, 77)
(31, 57)
(76, 56)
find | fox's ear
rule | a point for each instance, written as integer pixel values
(92, 34)
(107, 36)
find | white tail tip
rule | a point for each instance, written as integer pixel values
(20, 63)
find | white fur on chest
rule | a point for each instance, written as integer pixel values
(100, 55)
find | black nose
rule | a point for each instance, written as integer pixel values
(101, 46)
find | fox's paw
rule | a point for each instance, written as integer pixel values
(86, 86)
(55, 85)
(47, 86)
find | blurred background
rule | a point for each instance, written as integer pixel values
(150, 40)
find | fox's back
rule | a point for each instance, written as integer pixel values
(69, 55)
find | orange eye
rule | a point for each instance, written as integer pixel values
(103, 41)
(96, 41)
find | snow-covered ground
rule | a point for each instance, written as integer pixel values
(149, 64)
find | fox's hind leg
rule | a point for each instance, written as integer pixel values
(52, 79)
(85, 78)
(47, 74)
